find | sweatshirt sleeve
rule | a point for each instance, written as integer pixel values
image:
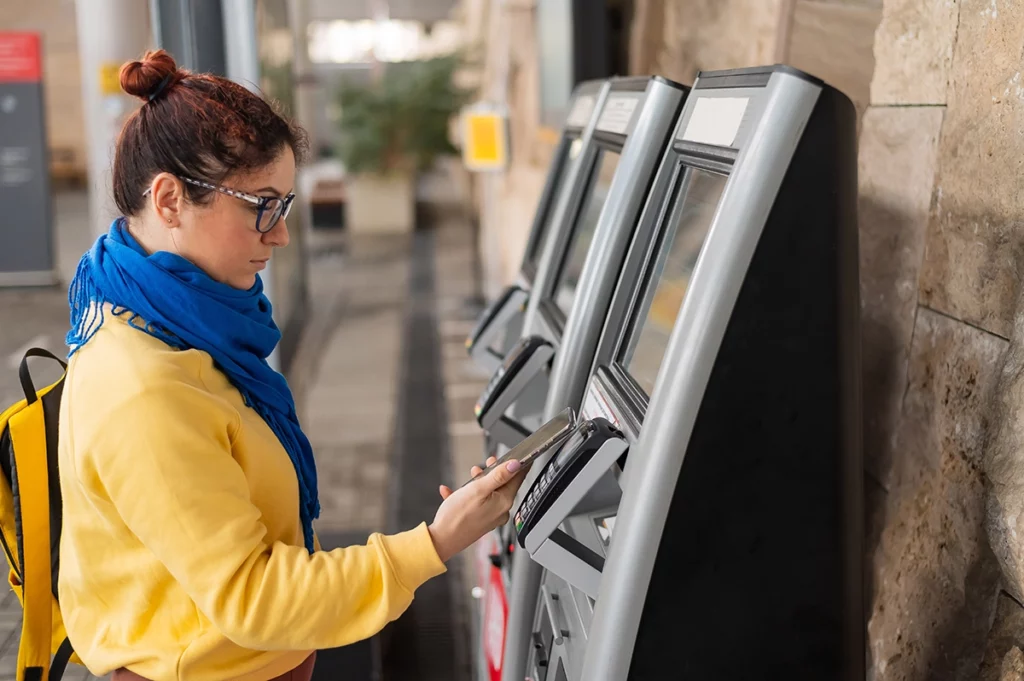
(165, 463)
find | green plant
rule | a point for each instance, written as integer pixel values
(401, 122)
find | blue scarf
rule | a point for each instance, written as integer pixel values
(182, 306)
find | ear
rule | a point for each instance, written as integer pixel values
(167, 199)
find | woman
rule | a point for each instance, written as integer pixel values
(189, 489)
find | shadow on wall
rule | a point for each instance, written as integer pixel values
(932, 580)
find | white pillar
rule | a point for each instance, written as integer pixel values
(302, 69)
(110, 32)
(241, 53)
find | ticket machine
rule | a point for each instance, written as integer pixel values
(500, 324)
(705, 519)
(632, 127)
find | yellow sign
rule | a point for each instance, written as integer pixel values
(110, 79)
(484, 139)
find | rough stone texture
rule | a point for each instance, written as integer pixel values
(975, 242)
(935, 579)
(850, 3)
(1002, 654)
(897, 162)
(1004, 466)
(1013, 666)
(647, 36)
(914, 51)
(717, 34)
(834, 42)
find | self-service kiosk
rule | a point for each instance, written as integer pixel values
(500, 324)
(704, 519)
(623, 145)
(633, 124)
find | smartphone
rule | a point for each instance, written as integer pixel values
(549, 436)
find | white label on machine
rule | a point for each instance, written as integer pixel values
(618, 113)
(581, 111)
(595, 404)
(716, 120)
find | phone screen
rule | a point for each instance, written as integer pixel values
(544, 439)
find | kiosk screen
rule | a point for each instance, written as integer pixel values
(564, 171)
(690, 220)
(583, 234)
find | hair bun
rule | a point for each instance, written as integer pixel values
(150, 76)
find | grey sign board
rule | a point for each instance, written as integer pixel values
(26, 221)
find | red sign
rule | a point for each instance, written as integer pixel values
(495, 619)
(21, 58)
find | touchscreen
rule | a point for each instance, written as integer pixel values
(583, 231)
(690, 221)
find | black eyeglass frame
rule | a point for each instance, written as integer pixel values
(281, 208)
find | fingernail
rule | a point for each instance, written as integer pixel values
(513, 466)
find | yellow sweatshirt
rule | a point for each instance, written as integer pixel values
(182, 555)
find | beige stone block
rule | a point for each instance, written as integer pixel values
(975, 244)
(717, 34)
(914, 51)
(850, 3)
(1004, 466)
(834, 41)
(1003, 650)
(934, 577)
(897, 164)
(1012, 668)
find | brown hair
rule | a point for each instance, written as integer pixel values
(193, 125)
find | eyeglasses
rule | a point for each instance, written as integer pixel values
(270, 209)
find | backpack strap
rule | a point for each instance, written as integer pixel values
(61, 659)
(32, 494)
(25, 376)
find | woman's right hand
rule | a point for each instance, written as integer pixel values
(475, 509)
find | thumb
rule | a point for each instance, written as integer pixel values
(501, 475)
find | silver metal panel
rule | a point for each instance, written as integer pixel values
(574, 640)
(560, 230)
(534, 365)
(583, 107)
(611, 239)
(584, 103)
(482, 353)
(573, 359)
(658, 456)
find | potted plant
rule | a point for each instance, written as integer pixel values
(390, 131)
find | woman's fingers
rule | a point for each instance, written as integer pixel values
(445, 492)
(475, 471)
(491, 461)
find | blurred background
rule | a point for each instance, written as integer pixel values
(399, 242)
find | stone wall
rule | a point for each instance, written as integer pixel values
(939, 87)
(940, 247)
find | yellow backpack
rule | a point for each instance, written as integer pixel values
(30, 522)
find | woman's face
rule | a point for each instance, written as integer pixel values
(220, 235)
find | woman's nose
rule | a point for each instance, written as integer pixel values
(278, 236)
